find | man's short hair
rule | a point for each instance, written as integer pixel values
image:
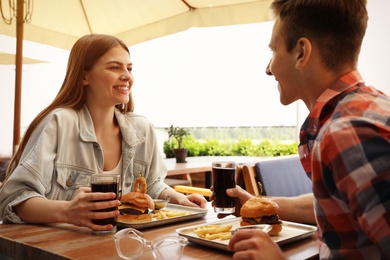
(337, 27)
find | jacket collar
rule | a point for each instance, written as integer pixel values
(130, 135)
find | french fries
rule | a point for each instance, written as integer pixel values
(211, 232)
(166, 213)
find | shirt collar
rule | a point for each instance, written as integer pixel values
(320, 113)
(343, 84)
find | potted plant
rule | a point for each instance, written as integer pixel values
(178, 133)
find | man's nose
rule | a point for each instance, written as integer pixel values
(268, 70)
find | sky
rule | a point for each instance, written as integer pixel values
(201, 77)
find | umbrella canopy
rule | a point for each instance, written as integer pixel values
(9, 59)
(60, 23)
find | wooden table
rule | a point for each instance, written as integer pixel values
(202, 164)
(64, 241)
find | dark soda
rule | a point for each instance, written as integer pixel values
(105, 187)
(223, 178)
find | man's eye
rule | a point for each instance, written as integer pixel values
(130, 69)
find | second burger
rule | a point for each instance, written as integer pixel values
(261, 210)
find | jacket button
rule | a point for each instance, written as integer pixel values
(69, 183)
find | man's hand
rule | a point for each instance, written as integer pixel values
(241, 196)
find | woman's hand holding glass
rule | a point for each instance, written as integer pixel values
(130, 245)
(80, 210)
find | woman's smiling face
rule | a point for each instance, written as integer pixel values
(110, 79)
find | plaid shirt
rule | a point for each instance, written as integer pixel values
(345, 149)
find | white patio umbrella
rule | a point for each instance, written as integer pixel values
(61, 22)
(9, 59)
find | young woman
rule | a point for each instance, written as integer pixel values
(89, 128)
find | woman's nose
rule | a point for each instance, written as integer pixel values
(268, 70)
(126, 76)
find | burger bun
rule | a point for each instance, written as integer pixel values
(138, 199)
(135, 218)
(260, 210)
(259, 207)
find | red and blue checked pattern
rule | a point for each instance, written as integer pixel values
(345, 149)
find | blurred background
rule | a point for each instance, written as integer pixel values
(201, 78)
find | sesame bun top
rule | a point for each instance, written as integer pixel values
(259, 207)
(138, 199)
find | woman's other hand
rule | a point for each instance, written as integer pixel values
(197, 199)
(193, 200)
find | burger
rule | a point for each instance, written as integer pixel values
(261, 211)
(135, 207)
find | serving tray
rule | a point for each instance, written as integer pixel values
(192, 213)
(291, 231)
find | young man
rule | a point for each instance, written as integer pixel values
(345, 140)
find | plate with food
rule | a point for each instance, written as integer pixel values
(256, 213)
(137, 210)
(172, 213)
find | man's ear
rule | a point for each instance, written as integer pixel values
(303, 52)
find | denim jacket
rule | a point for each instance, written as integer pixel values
(63, 153)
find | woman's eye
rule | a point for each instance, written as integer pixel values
(130, 69)
(114, 67)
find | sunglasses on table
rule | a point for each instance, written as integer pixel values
(130, 244)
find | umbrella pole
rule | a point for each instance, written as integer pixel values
(18, 73)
